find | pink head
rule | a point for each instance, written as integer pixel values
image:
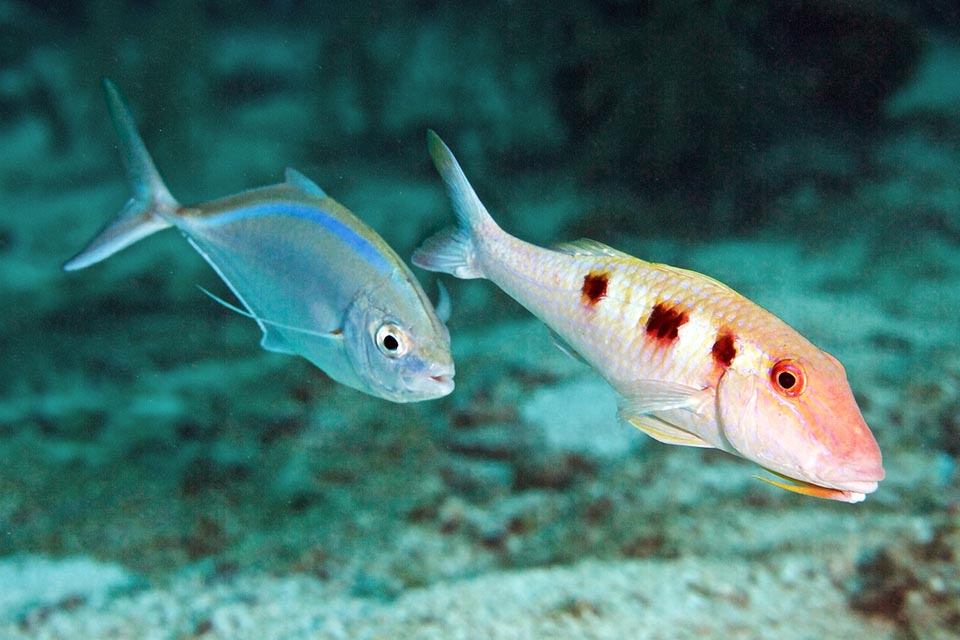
(794, 414)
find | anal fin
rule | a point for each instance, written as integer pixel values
(272, 339)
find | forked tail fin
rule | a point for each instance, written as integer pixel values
(150, 207)
(453, 250)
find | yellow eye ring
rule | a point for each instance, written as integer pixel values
(788, 378)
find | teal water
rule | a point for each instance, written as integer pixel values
(163, 476)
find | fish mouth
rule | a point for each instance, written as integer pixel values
(855, 491)
(442, 375)
(437, 383)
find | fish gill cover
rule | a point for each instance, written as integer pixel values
(803, 152)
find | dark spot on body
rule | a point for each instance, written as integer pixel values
(594, 288)
(724, 349)
(664, 322)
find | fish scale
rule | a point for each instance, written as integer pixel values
(693, 362)
(610, 334)
(634, 289)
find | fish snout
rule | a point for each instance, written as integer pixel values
(860, 475)
(859, 471)
(846, 481)
(434, 381)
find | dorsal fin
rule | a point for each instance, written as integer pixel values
(587, 247)
(303, 183)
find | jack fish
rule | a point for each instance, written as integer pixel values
(319, 282)
(693, 362)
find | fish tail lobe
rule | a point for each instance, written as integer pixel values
(151, 206)
(454, 250)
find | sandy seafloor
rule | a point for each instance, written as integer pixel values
(163, 477)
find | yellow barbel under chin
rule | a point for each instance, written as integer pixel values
(693, 362)
(808, 489)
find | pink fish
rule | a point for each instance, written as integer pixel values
(693, 362)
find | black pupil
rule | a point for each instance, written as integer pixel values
(390, 343)
(786, 380)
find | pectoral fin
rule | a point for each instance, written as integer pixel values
(641, 398)
(648, 396)
(272, 341)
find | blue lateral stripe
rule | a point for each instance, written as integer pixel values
(351, 238)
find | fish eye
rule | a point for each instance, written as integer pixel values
(391, 341)
(788, 378)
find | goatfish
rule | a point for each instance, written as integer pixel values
(693, 362)
(319, 282)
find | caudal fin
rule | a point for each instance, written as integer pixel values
(453, 250)
(151, 204)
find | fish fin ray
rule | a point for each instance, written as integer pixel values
(587, 247)
(301, 182)
(648, 396)
(449, 251)
(270, 337)
(640, 398)
(453, 250)
(665, 432)
(151, 207)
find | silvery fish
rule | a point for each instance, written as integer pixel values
(319, 282)
(693, 362)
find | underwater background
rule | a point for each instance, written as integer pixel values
(162, 476)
